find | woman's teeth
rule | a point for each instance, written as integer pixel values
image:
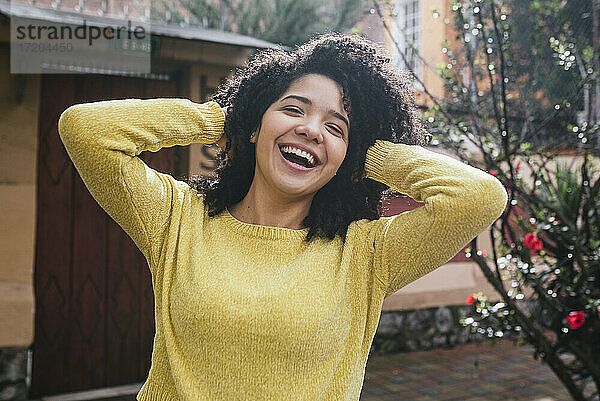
(309, 158)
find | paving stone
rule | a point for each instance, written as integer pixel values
(538, 378)
(527, 391)
(477, 390)
(429, 390)
(492, 378)
(447, 379)
(398, 379)
(377, 390)
(418, 375)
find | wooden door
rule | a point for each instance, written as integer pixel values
(94, 321)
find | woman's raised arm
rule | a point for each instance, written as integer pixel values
(460, 202)
(104, 139)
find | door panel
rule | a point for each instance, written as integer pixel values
(94, 321)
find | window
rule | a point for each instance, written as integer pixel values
(406, 30)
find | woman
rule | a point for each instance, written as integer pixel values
(269, 280)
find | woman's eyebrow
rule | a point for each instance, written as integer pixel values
(301, 98)
(341, 117)
(307, 101)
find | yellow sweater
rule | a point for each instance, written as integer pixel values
(250, 312)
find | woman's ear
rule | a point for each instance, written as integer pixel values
(254, 136)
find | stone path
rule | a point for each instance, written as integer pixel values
(476, 371)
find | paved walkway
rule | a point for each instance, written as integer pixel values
(478, 371)
(473, 372)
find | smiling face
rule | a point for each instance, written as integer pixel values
(309, 117)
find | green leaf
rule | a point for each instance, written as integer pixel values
(525, 146)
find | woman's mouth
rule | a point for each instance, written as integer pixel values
(295, 161)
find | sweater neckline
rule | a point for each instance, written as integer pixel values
(260, 231)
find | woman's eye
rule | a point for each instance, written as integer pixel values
(293, 110)
(336, 130)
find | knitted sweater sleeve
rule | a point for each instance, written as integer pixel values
(460, 201)
(104, 139)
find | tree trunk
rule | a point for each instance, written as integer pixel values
(596, 65)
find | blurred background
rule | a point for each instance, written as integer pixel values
(510, 87)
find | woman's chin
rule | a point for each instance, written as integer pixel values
(295, 185)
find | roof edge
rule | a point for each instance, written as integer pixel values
(14, 9)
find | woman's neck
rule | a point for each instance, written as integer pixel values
(271, 211)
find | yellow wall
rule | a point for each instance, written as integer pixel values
(18, 157)
(434, 30)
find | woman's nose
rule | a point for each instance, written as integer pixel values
(311, 131)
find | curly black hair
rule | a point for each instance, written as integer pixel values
(377, 98)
